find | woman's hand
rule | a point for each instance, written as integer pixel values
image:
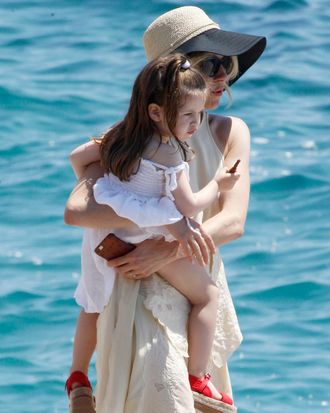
(193, 239)
(147, 258)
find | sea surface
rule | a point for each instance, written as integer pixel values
(66, 70)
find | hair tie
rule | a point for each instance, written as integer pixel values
(185, 65)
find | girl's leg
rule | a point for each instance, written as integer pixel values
(84, 343)
(193, 281)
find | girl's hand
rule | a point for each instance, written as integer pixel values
(193, 239)
(147, 258)
(226, 180)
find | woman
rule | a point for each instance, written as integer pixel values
(141, 341)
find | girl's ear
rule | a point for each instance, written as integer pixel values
(155, 112)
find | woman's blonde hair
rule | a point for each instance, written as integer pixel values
(198, 57)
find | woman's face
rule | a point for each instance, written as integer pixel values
(216, 70)
(216, 87)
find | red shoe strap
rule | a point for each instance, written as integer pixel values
(199, 384)
(77, 377)
(226, 399)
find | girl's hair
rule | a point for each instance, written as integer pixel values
(197, 57)
(168, 82)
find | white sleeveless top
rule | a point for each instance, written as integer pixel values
(207, 162)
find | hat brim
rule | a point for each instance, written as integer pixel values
(246, 47)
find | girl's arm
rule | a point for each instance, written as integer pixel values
(81, 208)
(191, 203)
(187, 202)
(83, 156)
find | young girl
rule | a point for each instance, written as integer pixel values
(145, 157)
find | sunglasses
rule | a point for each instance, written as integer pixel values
(211, 65)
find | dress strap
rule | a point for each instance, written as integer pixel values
(170, 177)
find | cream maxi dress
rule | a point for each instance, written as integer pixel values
(142, 340)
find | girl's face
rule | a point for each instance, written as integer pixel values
(189, 117)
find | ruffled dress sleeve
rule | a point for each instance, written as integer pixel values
(147, 198)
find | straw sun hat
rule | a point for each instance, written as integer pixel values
(188, 29)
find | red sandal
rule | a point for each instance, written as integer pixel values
(204, 398)
(81, 398)
(77, 377)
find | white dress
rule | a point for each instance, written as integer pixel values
(147, 200)
(142, 335)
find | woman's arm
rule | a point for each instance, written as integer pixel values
(233, 138)
(82, 210)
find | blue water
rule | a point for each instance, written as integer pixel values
(66, 69)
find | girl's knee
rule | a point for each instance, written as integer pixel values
(213, 293)
(209, 295)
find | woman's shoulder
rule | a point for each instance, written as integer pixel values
(218, 122)
(228, 130)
